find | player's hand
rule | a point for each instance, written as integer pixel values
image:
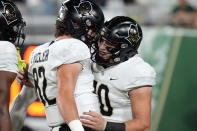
(22, 77)
(93, 120)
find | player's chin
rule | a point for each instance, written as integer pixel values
(103, 56)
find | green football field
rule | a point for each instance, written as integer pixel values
(175, 94)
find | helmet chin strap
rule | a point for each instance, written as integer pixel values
(88, 40)
(113, 60)
(105, 63)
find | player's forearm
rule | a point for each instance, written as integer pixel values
(66, 79)
(68, 110)
(17, 113)
(4, 102)
(132, 125)
(26, 97)
(68, 113)
(137, 125)
(66, 82)
(4, 119)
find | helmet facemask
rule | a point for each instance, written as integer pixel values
(90, 34)
(12, 24)
(20, 34)
(82, 19)
(125, 35)
(110, 49)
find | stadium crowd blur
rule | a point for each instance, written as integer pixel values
(40, 14)
(184, 14)
(152, 12)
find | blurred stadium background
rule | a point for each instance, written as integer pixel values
(169, 48)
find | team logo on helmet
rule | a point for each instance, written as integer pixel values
(84, 8)
(133, 34)
(9, 13)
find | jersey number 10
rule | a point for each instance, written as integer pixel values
(105, 106)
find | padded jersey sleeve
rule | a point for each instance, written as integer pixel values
(141, 75)
(8, 57)
(68, 52)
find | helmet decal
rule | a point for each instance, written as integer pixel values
(9, 13)
(61, 13)
(133, 34)
(84, 8)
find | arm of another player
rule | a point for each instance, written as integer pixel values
(19, 107)
(21, 102)
(66, 79)
(22, 77)
(141, 110)
(6, 79)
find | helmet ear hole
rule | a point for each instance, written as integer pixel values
(88, 23)
(123, 46)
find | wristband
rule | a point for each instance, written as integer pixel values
(112, 126)
(75, 125)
